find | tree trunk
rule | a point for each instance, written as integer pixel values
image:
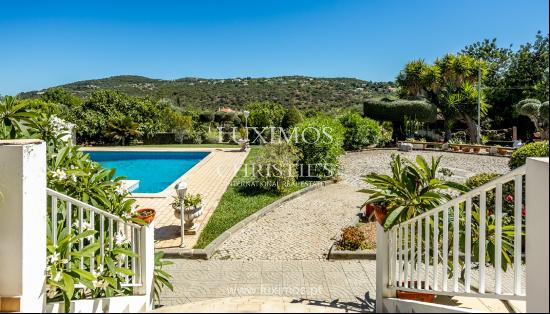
(472, 129)
(398, 134)
(447, 130)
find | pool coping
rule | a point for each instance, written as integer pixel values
(166, 192)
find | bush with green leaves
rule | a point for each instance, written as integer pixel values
(292, 117)
(275, 167)
(536, 149)
(360, 132)
(320, 140)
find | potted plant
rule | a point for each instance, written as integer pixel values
(416, 296)
(145, 215)
(192, 209)
(374, 211)
(412, 189)
(501, 150)
(466, 148)
(476, 148)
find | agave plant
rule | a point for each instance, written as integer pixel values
(412, 189)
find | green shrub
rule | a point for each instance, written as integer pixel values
(519, 157)
(292, 117)
(387, 109)
(480, 179)
(352, 239)
(360, 132)
(320, 140)
(275, 167)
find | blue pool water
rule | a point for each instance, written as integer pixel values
(154, 170)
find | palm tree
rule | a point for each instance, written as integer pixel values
(123, 130)
(448, 84)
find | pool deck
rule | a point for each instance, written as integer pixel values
(210, 178)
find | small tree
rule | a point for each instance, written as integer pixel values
(292, 117)
(537, 112)
(207, 117)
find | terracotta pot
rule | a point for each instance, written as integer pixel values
(477, 149)
(456, 148)
(380, 214)
(146, 217)
(466, 149)
(416, 296)
(502, 151)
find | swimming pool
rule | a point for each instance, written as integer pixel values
(154, 170)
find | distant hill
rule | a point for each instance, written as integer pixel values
(303, 92)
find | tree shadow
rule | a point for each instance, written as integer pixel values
(365, 304)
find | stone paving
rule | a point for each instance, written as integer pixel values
(210, 178)
(346, 285)
(301, 229)
(255, 305)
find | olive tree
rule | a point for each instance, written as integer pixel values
(537, 112)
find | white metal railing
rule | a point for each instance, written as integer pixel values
(110, 229)
(432, 252)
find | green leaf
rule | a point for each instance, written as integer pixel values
(69, 285)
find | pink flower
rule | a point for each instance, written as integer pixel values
(509, 198)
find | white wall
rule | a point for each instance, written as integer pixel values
(23, 222)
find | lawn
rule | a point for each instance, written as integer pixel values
(238, 202)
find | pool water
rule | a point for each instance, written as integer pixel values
(154, 170)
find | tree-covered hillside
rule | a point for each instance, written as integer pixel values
(302, 92)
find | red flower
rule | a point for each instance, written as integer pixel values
(523, 213)
(509, 198)
(491, 212)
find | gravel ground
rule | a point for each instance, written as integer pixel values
(300, 229)
(358, 164)
(304, 228)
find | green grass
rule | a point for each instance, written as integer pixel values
(239, 202)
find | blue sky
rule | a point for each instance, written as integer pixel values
(50, 44)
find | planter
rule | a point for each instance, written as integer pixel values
(502, 151)
(416, 296)
(476, 149)
(190, 215)
(456, 148)
(147, 215)
(466, 149)
(380, 214)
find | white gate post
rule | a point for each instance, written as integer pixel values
(147, 255)
(536, 236)
(382, 268)
(22, 224)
